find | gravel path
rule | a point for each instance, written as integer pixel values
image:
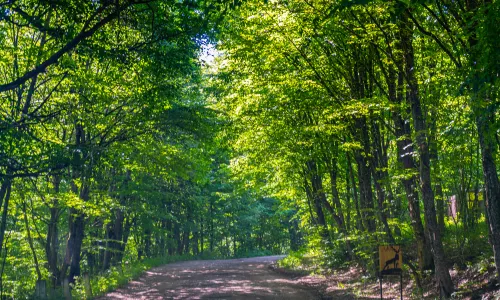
(248, 278)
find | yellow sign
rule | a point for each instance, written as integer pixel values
(473, 201)
(390, 259)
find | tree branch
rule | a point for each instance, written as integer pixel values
(67, 48)
(435, 38)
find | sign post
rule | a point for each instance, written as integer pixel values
(390, 263)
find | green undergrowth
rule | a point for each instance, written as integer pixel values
(119, 276)
(301, 260)
(253, 253)
(239, 254)
(323, 255)
(466, 244)
(468, 253)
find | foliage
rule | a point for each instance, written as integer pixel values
(322, 129)
(368, 118)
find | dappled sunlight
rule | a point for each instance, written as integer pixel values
(231, 279)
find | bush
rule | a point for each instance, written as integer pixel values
(119, 276)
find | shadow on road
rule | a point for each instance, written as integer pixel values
(218, 279)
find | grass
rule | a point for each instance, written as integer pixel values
(119, 276)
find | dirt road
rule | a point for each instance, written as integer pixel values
(248, 278)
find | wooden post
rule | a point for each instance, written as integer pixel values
(66, 289)
(381, 295)
(41, 289)
(86, 283)
(401, 285)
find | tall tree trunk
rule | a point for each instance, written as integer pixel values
(195, 241)
(202, 234)
(364, 175)
(118, 242)
(147, 242)
(177, 238)
(307, 189)
(380, 177)
(337, 213)
(211, 223)
(348, 196)
(77, 235)
(186, 240)
(76, 221)
(108, 248)
(317, 195)
(491, 182)
(124, 240)
(30, 240)
(485, 112)
(4, 201)
(405, 157)
(433, 146)
(52, 242)
(359, 223)
(442, 273)
(361, 89)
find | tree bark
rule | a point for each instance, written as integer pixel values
(339, 214)
(317, 195)
(442, 273)
(491, 182)
(405, 157)
(380, 177)
(4, 200)
(364, 175)
(77, 232)
(484, 110)
(359, 224)
(52, 242)
(69, 46)
(30, 241)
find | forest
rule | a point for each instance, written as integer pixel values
(134, 133)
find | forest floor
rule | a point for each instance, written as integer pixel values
(247, 278)
(260, 278)
(352, 283)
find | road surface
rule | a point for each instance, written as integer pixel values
(248, 278)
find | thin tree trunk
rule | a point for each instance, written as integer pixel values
(364, 176)
(30, 242)
(335, 195)
(317, 195)
(355, 193)
(177, 237)
(442, 273)
(379, 176)
(307, 189)
(125, 237)
(338, 214)
(405, 157)
(433, 145)
(348, 198)
(4, 199)
(485, 113)
(52, 243)
(211, 232)
(108, 249)
(202, 234)
(77, 235)
(491, 182)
